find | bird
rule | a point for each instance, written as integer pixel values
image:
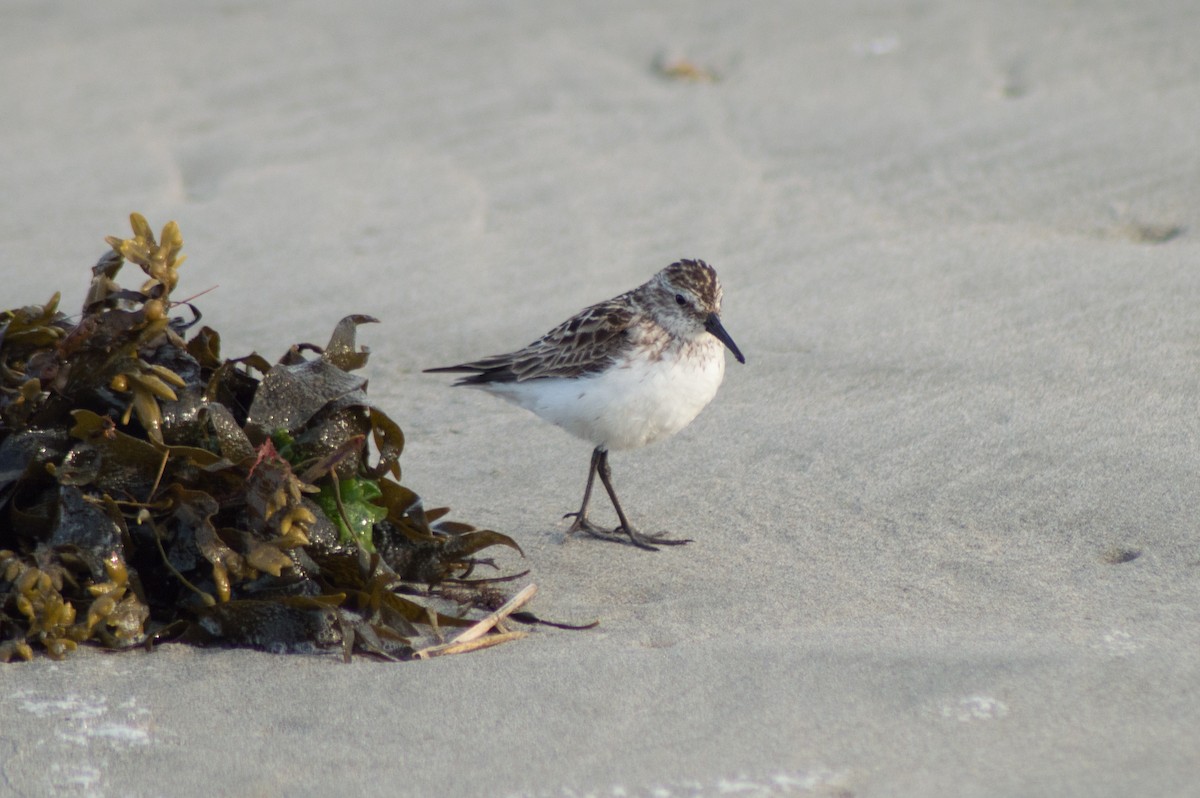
(620, 374)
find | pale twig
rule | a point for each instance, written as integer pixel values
(474, 645)
(473, 636)
(485, 624)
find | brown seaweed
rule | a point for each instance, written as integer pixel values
(151, 489)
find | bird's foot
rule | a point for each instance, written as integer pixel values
(622, 534)
(650, 542)
(582, 524)
(603, 533)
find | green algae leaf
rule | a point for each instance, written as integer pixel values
(349, 503)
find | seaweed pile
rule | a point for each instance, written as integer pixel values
(151, 490)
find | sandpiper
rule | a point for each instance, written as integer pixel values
(621, 374)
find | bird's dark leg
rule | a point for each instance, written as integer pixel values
(581, 520)
(635, 537)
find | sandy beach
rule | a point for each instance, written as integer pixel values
(945, 517)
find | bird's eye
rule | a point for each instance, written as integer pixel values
(679, 300)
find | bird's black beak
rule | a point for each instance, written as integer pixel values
(713, 325)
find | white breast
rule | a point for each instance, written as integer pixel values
(631, 404)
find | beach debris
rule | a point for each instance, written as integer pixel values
(152, 490)
(1117, 555)
(1151, 233)
(474, 636)
(681, 68)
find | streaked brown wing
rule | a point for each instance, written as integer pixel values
(583, 344)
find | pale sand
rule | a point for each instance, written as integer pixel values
(971, 385)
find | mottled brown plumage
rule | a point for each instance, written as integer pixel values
(583, 344)
(599, 335)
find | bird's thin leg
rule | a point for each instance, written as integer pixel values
(582, 524)
(635, 537)
(581, 519)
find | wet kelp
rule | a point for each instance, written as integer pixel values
(152, 490)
